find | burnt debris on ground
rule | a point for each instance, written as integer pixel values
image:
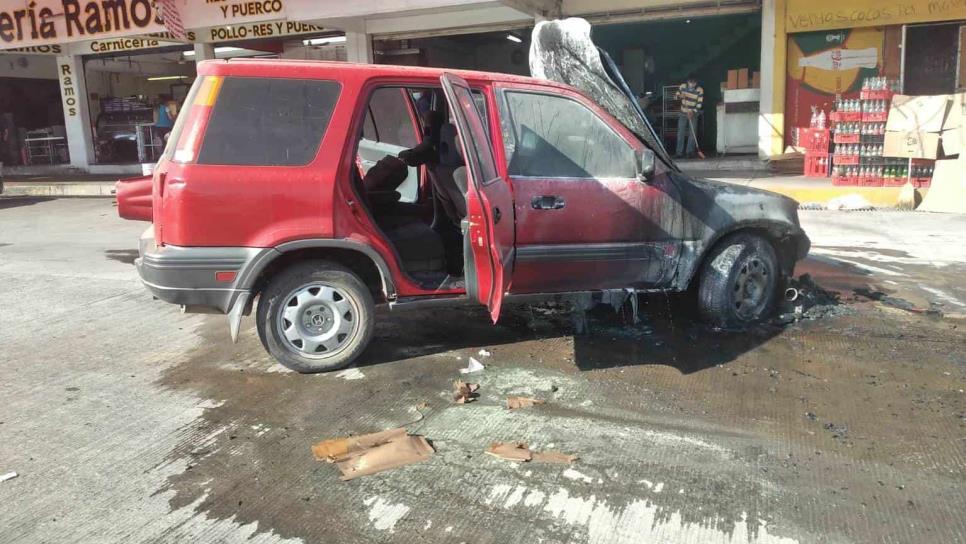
(804, 299)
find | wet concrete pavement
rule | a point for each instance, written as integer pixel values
(128, 421)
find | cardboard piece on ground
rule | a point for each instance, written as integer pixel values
(520, 453)
(947, 192)
(338, 448)
(511, 451)
(554, 457)
(911, 144)
(513, 403)
(732, 79)
(371, 453)
(464, 392)
(917, 113)
(400, 452)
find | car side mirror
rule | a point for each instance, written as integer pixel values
(646, 163)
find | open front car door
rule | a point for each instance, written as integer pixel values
(488, 231)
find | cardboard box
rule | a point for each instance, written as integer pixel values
(954, 141)
(947, 192)
(917, 113)
(956, 117)
(743, 78)
(914, 144)
(732, 79)
(755, 80)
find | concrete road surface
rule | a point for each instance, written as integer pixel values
(127, 421)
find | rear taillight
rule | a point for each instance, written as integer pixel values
(190, 141)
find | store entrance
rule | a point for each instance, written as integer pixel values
(655, 57)
(932, 58)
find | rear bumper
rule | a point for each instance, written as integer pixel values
(186, 275)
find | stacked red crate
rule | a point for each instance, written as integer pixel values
(815, 141)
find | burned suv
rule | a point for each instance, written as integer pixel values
(321, 189)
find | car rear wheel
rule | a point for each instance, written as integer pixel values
(315, 316)
(739, 281)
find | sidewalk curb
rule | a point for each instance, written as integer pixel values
(879, 197)
(99, 189)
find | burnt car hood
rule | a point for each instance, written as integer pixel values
(712, 208)
(562, 51)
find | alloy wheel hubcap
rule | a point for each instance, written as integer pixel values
(750, 288)
(316, 321)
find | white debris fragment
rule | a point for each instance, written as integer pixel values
(572, 474)
(8, 476)
(351, 374)
(659, 487)
(474, 366)
(383, 514)
(484, 353)
(850, 202)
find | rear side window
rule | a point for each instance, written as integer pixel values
(268, 121)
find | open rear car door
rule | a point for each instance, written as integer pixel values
(488, 230)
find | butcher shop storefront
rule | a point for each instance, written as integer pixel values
(97, 84)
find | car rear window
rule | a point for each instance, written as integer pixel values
(268, 121)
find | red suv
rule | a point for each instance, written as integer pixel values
(324, 188)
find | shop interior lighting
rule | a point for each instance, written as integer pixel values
(165, 78)
(225, 49)
(514, 38)
(324, 41)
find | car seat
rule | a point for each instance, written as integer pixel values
(419, 247)
(449, 174)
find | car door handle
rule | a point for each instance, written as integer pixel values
(497, 215)
(547, 202)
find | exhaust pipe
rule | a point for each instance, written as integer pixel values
(791, 294)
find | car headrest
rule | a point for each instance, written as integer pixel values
(450, 150)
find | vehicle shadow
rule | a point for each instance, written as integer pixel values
(126, 256)
(18, 201)
(668, 333)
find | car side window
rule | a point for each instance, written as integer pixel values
(268, 121)
(388, 120)
(551, 136)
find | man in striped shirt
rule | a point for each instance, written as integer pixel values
(691, 96)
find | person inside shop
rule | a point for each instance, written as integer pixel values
(8, 140)
(164, 115)
(691, 96)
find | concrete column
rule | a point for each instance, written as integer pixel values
(774, 42)
(77, 111)
(358, 46)
(204, 51)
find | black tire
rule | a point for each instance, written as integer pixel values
(329, 300)
(738, 285)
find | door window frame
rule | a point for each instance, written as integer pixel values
(506, 116)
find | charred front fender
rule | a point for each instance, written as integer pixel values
(713, 210)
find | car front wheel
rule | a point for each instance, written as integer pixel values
(315, 316)
(738, 282)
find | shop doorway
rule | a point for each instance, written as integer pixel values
(654, 56)
(31, 122)
(932, 58)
